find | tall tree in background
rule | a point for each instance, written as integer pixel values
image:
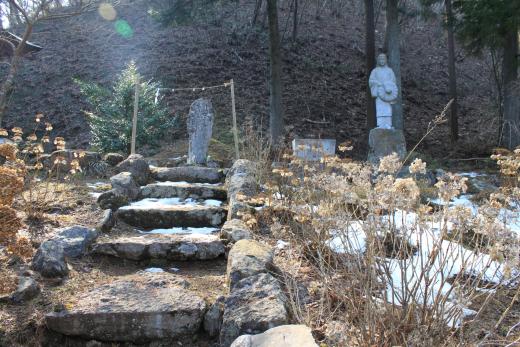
(393, 41)
(276, 123)
(452, 75)
(370, 59)
(495, 24)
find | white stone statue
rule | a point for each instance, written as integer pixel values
(383, 87)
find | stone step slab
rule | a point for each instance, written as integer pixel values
(190, 174)
(183, 190)
(172, 216)
(137, 309)
(159, 246)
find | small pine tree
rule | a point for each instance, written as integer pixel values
(111, 116)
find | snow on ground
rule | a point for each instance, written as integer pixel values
(184, 183)
(95, 195)
(151, 203)
(154, 270)
(179, 230)
(411, 276)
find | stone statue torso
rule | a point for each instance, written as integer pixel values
(383, 84)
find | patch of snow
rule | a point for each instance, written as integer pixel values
(150, 203)
(175, 269)
(154, 270)
(184, 183)
(95, 195)
(180, 230)
(97, 185)
(281, 244)
(471, 174)
(351, 240)
(211, 202)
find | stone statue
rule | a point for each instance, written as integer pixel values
(383, 87)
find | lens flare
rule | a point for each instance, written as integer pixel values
(107, 11)
(123, 28)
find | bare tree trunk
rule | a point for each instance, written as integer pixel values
(8, 83)
(511, 126)
(275, 83)
(295, 21)
(258, 7)
(393, 39)
(370, 60)
(454, 122)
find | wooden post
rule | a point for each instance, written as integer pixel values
(233, 109)
(134, 120)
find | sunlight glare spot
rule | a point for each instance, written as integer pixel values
(107, 11)
(123, 28)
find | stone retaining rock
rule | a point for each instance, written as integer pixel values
(213, 317)
(256, 304)
(284, 335)
(49, 260)
(112, 200)
(125, 184)
(248, 258)
(137, 166)
(235, 230)
(75, 240)
(108, 222)
(190, 174)
(136, 309)
(158, 246)
(26, 290)
(241, 184)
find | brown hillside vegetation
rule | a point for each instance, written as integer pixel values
(323, 73)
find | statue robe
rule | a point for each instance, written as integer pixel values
(381, 79)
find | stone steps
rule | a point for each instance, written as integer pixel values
(137, 308)
(183, 190)
(173, 247)
(190, 174)
(167, 216)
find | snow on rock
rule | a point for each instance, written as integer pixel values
(180, 230)
(150, 203)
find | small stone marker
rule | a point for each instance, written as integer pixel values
(383, 142)
(313, 149)
(200, 127)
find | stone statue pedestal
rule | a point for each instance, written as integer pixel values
(383, 142)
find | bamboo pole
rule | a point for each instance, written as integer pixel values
(233, 109)
(134, 120)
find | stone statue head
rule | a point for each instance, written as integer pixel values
(381, 59)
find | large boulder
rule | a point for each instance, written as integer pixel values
(256, 305)
(248, 258)
(137, 166)
(383, 142)
(136, 309)
(125, 184)
(284, 335)
(200, 128)
(75, 240)
(49, 260)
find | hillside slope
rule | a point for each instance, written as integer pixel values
(323, 74)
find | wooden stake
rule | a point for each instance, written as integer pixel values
(134, 120)
(233, 109)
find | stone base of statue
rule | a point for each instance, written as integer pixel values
(383, 142)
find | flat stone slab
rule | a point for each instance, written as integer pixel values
(172, 216)
(135, 309)
(159, 246)
(183, 190)
(190, 174)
